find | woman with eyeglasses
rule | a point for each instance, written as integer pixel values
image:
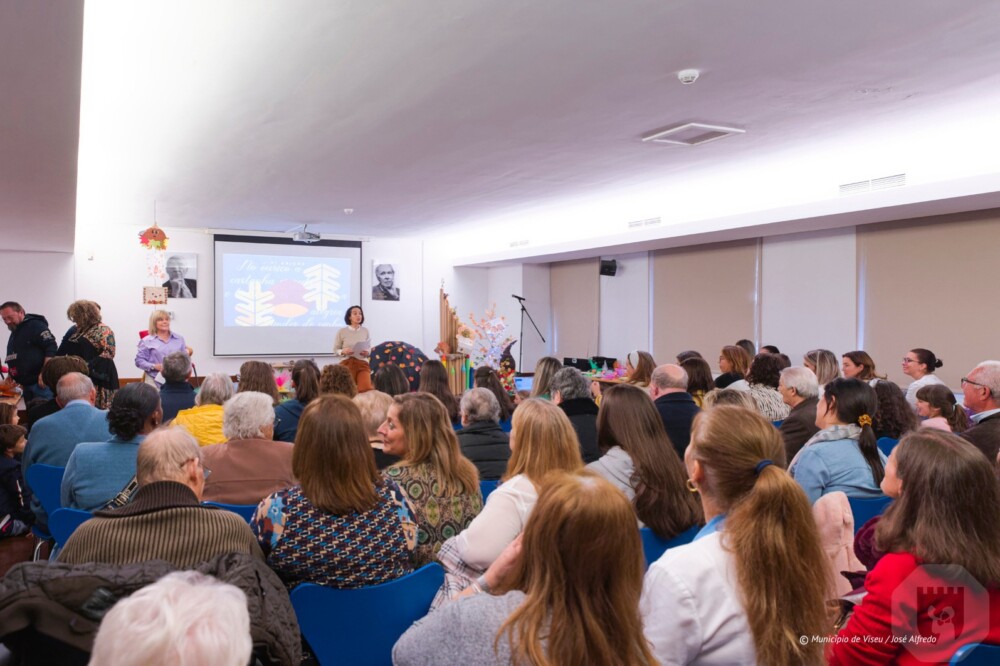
(920, 364)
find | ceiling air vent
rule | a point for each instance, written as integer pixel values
(648, 222)
(692, 134)
(883, 183)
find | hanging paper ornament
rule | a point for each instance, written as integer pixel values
(153, 238)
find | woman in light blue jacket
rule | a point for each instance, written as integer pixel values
(843, 455)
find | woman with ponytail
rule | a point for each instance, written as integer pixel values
(843, 455)
(305, 379)
(938, 405)
(753, 581)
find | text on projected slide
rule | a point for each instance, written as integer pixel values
(269, 291)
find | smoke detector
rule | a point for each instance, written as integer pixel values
(688, 76)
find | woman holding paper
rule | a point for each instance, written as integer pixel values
(354, 342)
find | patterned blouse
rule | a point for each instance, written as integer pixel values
(439, 517)
(304, 544)
(769, 402)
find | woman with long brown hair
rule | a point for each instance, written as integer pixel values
(434, 380)
(545, 370)
(734, 363)
(487, 378)
(258, 376)
(542, 441)
(635, 459)
(566, 592)
(940, 535)
(859, 365)
(937, 404)
(760, 528)
(440, 483)
(639, 366)
(305, 380)
(343, 525)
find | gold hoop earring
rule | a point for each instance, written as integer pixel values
(691, 487)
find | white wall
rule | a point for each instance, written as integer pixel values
(625, 307)
(809, 292)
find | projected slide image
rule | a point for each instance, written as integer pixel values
(273, 291)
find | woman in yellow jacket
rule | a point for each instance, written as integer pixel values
(204, 420)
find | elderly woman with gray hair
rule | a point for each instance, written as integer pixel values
(176, 393)
(800, 391)
(204, 420)
(481, 438)
(249, 466)
(571, 391)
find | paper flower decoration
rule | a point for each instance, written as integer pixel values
(153, 238)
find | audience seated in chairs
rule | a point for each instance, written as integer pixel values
(732, 596)
(481, 439)
(249, 465)
(798, 388)
(344, 525)
(305, 380)
(53, 371)
(54, 437)
(844, 454)
(544, 442)
(569, 389)
(183, 618)
(176, 393)
(637, 460)
(577, 568)
(945, 516)
(165, 519)
(102, 474)
(374, 405)
(204, 420)
(441, 485)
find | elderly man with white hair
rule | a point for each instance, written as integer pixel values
(800, 391)
(481, 439)
(249, 466)
(165, 520)
(981, 389)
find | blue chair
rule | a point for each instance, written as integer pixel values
(866, 509)
(45, 482)
(653, 546)
(777, 424)
(887, 444)
(360, 626)
(246, 511)
(976, 654)
(63, 522)
(487, 487)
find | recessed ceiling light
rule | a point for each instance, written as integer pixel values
(348, 211)
(692, 134)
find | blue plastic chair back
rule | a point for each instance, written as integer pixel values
(887, 444)
(777, 424)
(45, 482)
(976, 654)
(360, 626)
(63, 522)
(653, 546)
(245, 510)
(866, 509)
(487, 487)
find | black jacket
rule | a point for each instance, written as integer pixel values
(582, 413)
(27, 348)
(487, 446)
(985, 436)
(15, 498)
(175, 396)
(677, 411)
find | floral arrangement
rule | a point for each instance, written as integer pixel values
(489, 338)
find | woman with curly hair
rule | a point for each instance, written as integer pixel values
(763, 378)
(94, 342)
(102, 474)
(565, 592)
(337, 379)
(893, 417)
(258, 376)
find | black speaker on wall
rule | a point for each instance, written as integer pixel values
(609, 267)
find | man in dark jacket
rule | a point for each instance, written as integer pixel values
(800, 391)
(481, 439)
(176, 393)
(571, 391)
(981, 390)
(668, 388)
(29, 347)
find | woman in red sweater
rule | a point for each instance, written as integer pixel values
(936, 587)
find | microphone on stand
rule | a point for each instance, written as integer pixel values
(520, 298)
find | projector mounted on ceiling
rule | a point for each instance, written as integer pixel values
(300, 235)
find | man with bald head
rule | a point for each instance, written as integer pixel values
(165, 519)
(668, 389)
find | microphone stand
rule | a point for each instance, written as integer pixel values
(524, 311)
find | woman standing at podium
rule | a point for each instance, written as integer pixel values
(354, 343)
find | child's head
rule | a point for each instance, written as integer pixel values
(12, 439)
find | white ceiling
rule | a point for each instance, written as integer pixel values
(262, 115)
